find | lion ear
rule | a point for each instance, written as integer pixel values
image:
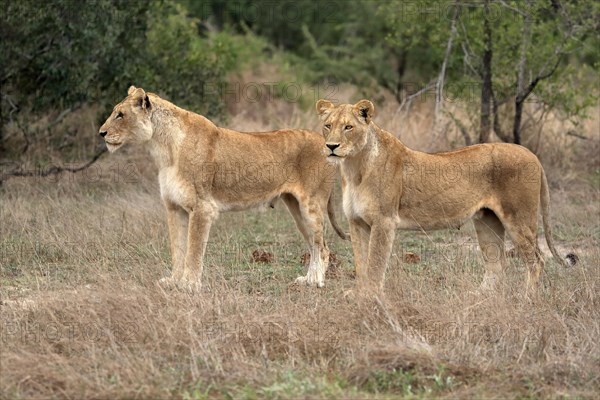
(324, 106)
(146, 103)
(131, 90)
(364, 109)
(141, 98)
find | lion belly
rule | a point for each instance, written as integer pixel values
(415, 219)
(262, 204)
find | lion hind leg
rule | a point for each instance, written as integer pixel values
(490, 235)
(294, 208)
(529, 252)
(319, 251)
(309, 220)
(523, 233)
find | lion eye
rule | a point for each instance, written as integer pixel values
(328, 126)
(119, 115)
(348, 127)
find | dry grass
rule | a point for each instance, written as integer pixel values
(82, 317)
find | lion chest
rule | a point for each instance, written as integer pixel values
(354, 202)
(174, 189)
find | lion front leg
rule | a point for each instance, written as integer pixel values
(177, 220)
(359, 235)
(381, 241)
(200, 222)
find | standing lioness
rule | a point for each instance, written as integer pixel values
(387, 186)
(204, 170)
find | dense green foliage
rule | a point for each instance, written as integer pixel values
(91, 51)
(64, 53)
(555, 43)
(337, 40)
(67, 54)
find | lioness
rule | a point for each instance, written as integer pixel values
(386, 186)
(204, 170)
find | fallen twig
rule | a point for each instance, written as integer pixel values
(53, 170)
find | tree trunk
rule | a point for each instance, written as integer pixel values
(486, 87)
(437, 128)
(2, 80)
(400, 69)
(520, 97)
(517, 120)
(1, 132)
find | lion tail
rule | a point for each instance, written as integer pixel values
(332, 219)
(545, 205)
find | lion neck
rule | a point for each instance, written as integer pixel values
(167, 132)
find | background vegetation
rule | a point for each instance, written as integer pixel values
(64, 56)
(80, 253)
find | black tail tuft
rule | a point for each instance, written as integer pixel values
(572, 259)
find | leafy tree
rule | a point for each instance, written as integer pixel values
(510, 47)
(65, 54)
(330, 45)
(184, 66)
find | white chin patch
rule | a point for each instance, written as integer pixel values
(334, 159)
(113, 147)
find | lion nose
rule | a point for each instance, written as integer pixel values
(333, 146)
(103, 133)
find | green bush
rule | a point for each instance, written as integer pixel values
(66, 54)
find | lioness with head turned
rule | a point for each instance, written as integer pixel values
(204, 170)
(386, 186)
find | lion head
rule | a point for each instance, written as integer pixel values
(129, 121)
(345, 127)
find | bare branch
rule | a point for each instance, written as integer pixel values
(496, 122)
(13, 107)
(558, 53)
(577, 135)
(467, 61)
(467, 50)
(461, 128)
(523, 57)
(54, 169)
(25, 133)
(62, 116)
(538, 78)
(520, 12)
(439, 86)
(407, 102)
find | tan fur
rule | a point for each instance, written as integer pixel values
(204, 170)
(387, 186)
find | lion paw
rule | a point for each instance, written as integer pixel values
(489, 284)
(167, 282)
(190, 287)
(349, 294)
(305, 280)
